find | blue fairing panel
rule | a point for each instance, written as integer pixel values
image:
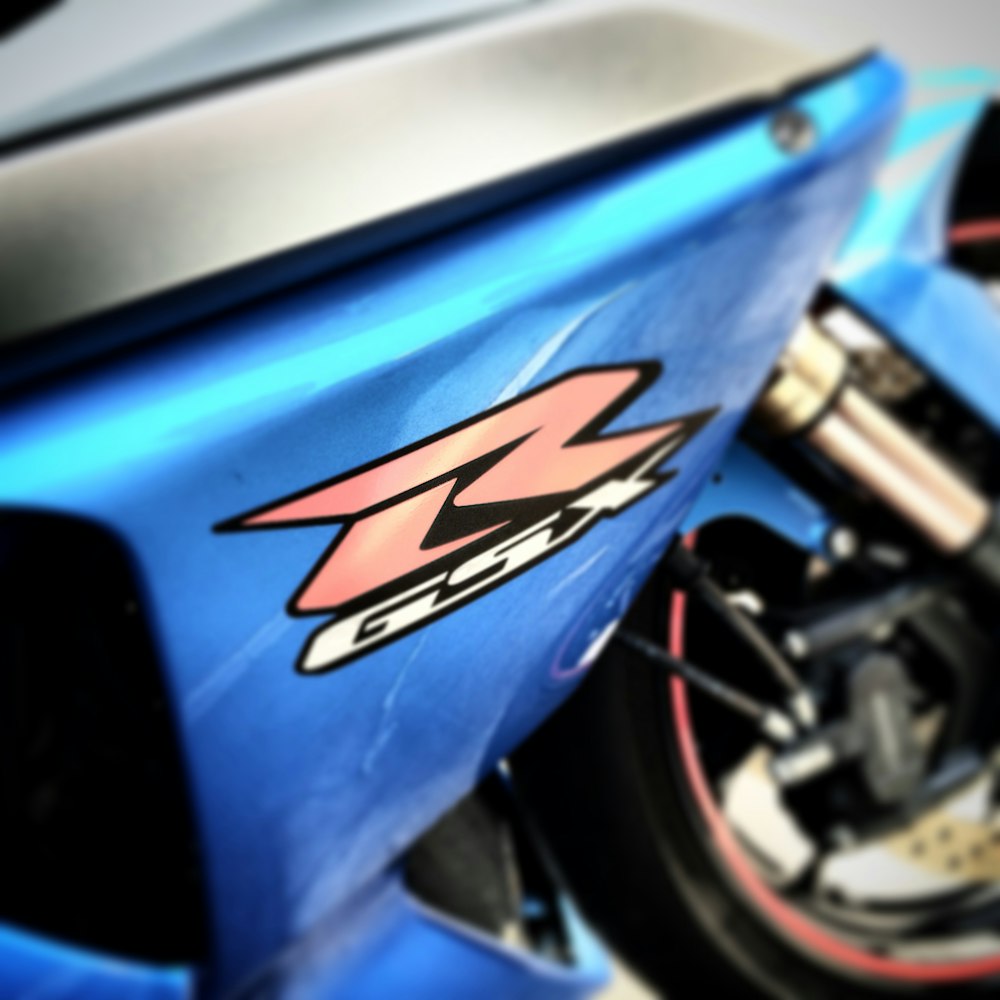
(387, 945)
(943, 318)
(745, 485)
(906, 213)
(893, 267)
(308, 788)
(31, 968)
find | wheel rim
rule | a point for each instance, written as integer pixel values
(804, 932)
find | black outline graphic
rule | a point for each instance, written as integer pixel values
(454, 522)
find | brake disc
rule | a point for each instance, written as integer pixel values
(951, 847)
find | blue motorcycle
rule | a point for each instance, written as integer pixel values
(485, 485)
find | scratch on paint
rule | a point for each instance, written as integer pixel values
(387, 724)
(578, 572)
(545, 353)
(215, 685)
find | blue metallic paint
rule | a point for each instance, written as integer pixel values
(745, 485)
(398, 948)
(905, 213)
(892, 266)
(34, 969)
(307, 790)
(942, 318)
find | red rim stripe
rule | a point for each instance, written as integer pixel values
(784, 915)
(981, 231)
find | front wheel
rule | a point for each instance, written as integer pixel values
(710, 880)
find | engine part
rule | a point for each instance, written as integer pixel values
(868, 618)
(892, 761)
(878, 734)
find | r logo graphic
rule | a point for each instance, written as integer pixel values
(435, 525)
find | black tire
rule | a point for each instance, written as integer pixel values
(606, 785)
(977, 197)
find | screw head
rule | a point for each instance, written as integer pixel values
(793, 131)
(795, 645)
(843, 543)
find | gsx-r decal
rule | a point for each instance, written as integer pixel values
(441, 522)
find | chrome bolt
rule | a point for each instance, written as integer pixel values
(793, 131)
(842, 542)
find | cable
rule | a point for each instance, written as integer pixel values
(691, 573)
(772, 723)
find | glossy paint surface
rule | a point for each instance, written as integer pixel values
(33, 968)
(945, 319)
(906, 211)
(308, 789)
(893, 264)
(388, 945)
(745, 485)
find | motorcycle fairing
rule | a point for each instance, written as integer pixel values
(306, 793)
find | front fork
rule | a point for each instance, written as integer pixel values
(811, 396)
